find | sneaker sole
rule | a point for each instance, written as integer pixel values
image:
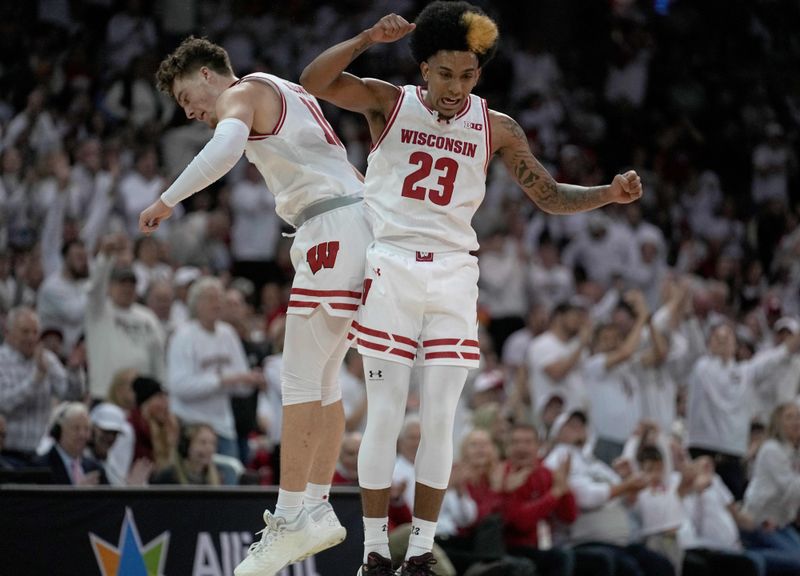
(335, 539)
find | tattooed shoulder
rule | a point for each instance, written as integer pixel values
(512, 127)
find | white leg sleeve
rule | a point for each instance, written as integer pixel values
(441, 389)
(331, 389)
(310, 343)
(387, 392)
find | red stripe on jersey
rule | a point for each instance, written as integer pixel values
(384, 335)
(391, 119)
(465, 109)
(404, 340)
(279, 125)
(422, 99)
(300, 304)
(473, 343)
(327, 293)
(441, 342)
(488, 135)
(403, 353)
(435, 355)
(468, 356)
(330, 135)
(350, 336)
(370, 331)
(340, 306)
(371, 345)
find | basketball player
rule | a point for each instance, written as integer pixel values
(426, 178)
(281, 129)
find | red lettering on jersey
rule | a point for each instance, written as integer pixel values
(322, 256)
(440, 142)
(367, 286)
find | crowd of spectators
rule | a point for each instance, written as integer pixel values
(636, 411)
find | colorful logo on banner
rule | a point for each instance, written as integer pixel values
(129, 557)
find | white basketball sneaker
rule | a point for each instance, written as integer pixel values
(328, 531)
(281, 543)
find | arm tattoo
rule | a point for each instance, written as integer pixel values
(359, 49)
(539, 185)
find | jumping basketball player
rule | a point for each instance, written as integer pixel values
(281, 129)
(426, 178)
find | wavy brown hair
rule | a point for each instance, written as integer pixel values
(192, 54)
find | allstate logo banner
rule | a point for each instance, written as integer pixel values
(151, 532)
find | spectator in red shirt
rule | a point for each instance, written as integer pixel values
(532, 496)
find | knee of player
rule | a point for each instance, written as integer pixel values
(296, 390)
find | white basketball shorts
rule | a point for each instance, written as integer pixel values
(328, 257)
(419, 306)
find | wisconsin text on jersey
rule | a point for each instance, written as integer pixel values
(441, 142)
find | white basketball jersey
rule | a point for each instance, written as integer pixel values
(302, 161)
(426, 178)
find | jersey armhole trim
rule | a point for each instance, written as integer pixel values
(391, 119)
(488, 135)
(258, 135)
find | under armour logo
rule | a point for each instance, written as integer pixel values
(376, 374)
(377, 271)
(415, 530)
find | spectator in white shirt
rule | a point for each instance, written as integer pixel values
(549, 281)
(604, 250)
(159, 298)
(62, 298)
(658, 506)
(612, 386)
(602, 535)
(773, 496)
(30, 378)
(120, 333)
(502, 285)
(710, 533)
(721, 399)
(516, 347)
(554, 358)
(206, 364)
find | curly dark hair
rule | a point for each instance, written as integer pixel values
(457, 26)
(190, 56)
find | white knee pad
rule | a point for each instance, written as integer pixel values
(441, 390)
(311, 348)
(387, 392)
(298, 390)
(331, 392)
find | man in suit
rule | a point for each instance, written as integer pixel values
(66, 460)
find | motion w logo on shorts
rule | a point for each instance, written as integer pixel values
(322, 256)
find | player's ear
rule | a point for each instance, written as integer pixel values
(425, 69)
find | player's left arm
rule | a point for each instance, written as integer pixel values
(511, 144)
(235, 109)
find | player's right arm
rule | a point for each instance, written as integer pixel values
(325, 76)
(235, 109)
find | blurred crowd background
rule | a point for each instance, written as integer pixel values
(670, 324)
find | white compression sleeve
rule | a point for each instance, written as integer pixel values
(214, 161)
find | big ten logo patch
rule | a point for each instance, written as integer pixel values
(322, 256)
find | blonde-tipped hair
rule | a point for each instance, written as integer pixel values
(482, 32)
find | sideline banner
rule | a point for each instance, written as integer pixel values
(154, 531)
